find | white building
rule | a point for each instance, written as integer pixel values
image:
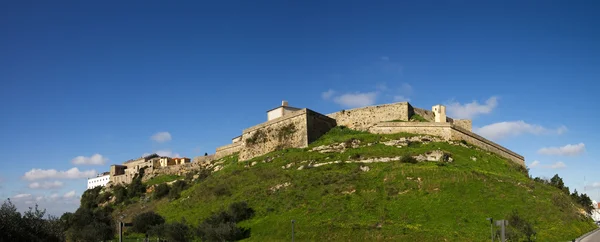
(100, 180)
(280, 111)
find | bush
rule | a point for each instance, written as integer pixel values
(176, 189)
(221, 190)
(120, 193)
(172, 232)
(160, 191)
(519, 229)
(222, 226)
(409, 159)
(143, 222)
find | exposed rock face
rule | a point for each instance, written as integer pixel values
(337, 148)
(279, 186)
(435, 155)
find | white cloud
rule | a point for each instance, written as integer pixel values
(381, 87)
(567, 150)
(54, 204)
(471, 110)
(46, 185)
(69, 194)
(22, 196)
(507, 129)
(73, 173)
(535, 163)
(161, 137)
(595, 185)
(96, 159)
(354, 100)
(328, 94)
(400, 98)
(556, 165)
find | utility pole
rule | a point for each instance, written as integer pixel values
(502, 224)
(120, 231)
(491, 227)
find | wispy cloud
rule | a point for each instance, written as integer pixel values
(161, 137)
(567, 150)
(595, 185)
(555, 165)
(361, 99)
(46, 185)
(73, 173)
(534, 164)
(96, 159)
(54, 204)
(69, 194)
(357, 99)
(22, 195)
(472, 109)
(501, 130)
(328, 94)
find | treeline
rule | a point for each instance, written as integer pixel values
(220, 226)
(582, 199)
(31, 226)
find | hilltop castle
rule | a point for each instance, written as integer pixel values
(291, 127)
(288, 127)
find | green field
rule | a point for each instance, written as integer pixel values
(392, 201)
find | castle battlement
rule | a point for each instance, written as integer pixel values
(288, 127)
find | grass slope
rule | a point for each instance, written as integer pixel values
(394, 201)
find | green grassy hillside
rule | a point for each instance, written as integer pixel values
(396, 200)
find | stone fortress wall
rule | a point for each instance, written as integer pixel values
(366, 117)
(447, 131)
(294, 130)
(300, 128)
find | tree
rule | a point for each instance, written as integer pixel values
(161, 190)
(143, 222)
(222, 226)
(557, 182)
(176, 232)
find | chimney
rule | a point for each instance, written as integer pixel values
(284, 103)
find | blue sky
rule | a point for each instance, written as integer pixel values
(80, 78)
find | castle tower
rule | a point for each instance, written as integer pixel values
(440, 113)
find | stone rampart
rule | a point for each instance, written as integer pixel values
(367, 117)
(426, 114)
(465, 124)
(283, 132)
(448, 131)
(227, 150)
(442, 130)
(459, 133)
(318, 124)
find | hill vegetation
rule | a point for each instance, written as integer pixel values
(353, 186)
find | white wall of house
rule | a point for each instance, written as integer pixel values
(98, 181)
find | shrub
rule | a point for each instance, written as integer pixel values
(175, 232)
(144, 221)
(176, 189)
(519, 229)
(222, 226)
(161, 191)
(120, 193)
(221, 190)
(409, 159)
